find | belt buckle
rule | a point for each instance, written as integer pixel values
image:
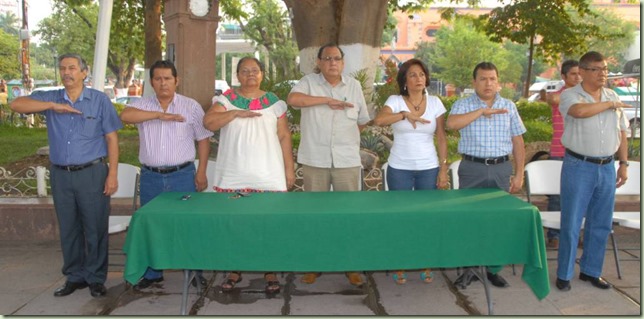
(490, 161)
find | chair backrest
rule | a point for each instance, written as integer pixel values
(128, 179)
(453, 173)
(384, 176)
(632, 186)
(543, 177)
(210, 174)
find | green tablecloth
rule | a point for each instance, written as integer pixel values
(338, 231)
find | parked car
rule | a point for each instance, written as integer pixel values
(221, 86)
(633, 113)
(127, 100)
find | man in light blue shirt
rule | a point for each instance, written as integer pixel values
(491, 130)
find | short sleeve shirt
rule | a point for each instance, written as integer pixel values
(488, 137)
(79, 138)
(413, 148)
(331, 138)
(598, 135)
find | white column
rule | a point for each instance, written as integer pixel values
(102, 43)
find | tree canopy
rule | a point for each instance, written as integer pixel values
(72, 28)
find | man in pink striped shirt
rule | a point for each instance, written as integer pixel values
(169, 124)
(571, 77)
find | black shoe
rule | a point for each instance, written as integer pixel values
(466, 278)
(497, 280)
(145, 283)
(69, 287)
(201, 279)
(598, 282)
(97, 290)
(563, 285)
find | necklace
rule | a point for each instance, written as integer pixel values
(416, 106)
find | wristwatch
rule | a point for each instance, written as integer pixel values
(623, 163)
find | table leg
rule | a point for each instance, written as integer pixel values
(184, 296)
(486, 287)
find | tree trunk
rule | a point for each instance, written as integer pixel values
(152, 39)
(356, 25)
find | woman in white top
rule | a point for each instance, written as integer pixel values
(416, 118)
(255, 153)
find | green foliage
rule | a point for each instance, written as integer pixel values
(282, 89)
(383, 92)
(119, 108)
(10, 23)
(537, 131)
(550, 20)
(372, 142)
(9, 53)
(390, 28)
(537, 111)
(459, 48)
(72, 29)
(268, 27)
(621, 34)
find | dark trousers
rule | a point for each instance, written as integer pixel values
(83, 217)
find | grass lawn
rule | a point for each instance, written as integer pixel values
(20, 142)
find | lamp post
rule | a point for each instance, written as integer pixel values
(24, 42)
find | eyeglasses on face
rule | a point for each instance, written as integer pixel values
(595, 70)
(331, 58)
(246, 72)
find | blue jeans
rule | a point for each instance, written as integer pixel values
(401, 179)
(590, 188)
(554, 205)
(153, 184)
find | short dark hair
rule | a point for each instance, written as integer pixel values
(163, 64)
(329, 45)
(485, 66)
(81, 62)
(401, 78)
(567, 65)
(242, 60)
(590, 56)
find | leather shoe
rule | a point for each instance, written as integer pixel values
(497, 280)
(563, 285)
(97, 290)
(145, 283)
(354, 279)
(598, 282)
(201, 279)
(69, 287)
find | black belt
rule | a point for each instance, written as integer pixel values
(73, 168)
(596, 160)
(167, 169)
(487, 161)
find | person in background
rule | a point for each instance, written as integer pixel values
(81, 126)
(169, 124)
(334, 112)
(491, 129)
(570, 76)
(594, 133)
(255, 152)
(416, 117)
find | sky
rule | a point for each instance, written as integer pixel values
(37, 10)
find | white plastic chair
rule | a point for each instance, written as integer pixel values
(453, 173)
(384, 176)
(543, 178)
(128, 179)
(210, 174)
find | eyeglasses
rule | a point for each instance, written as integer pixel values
(595, 70)
(246, 72)
(331, 58)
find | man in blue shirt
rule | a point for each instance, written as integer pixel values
(81, 125)
(490, 129)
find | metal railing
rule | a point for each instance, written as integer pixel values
(34, 182)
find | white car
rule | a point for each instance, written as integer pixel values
(633, 113)
(221, 86)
